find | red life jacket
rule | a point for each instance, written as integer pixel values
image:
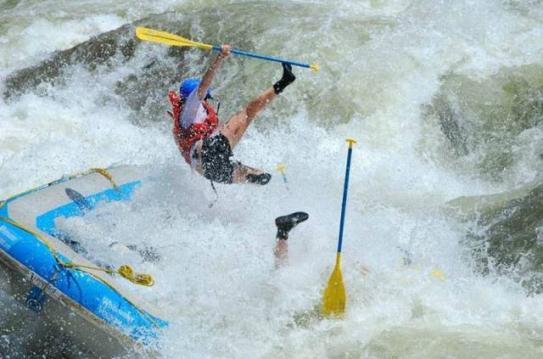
(187, 137)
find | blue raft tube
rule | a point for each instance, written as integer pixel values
(72, 294)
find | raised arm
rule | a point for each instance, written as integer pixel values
(210, 73)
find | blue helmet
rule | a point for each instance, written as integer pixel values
(189, 85)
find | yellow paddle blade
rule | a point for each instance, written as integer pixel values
(335, 297)
(163, 37)
(314, 67)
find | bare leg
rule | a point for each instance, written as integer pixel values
(281, 253)
(236, 126)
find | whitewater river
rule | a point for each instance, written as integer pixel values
(423, 86)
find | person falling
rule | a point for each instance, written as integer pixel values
(206, 145)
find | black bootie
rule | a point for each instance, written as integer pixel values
(287, 79)
(286, 223)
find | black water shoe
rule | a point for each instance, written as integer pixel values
(287, 79)
(286, 223)
(262, 178)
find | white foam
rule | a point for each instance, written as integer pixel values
(216, 282)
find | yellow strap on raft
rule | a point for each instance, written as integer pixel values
(139, 278)
(124, 271)
(34, 233)
(106, 174)
(101, 171)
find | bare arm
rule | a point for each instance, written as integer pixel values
(210, 73)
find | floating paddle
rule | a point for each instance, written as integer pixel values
(281, 168)
(163, 37)
(335, 297)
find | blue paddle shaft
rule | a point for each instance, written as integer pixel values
(285, 179)
(344, 203)
(262, 57)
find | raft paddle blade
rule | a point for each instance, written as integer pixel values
(335, 297)
(163, 37)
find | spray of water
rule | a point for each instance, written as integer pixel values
(382, 63)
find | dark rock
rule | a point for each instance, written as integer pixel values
(481, 119)
(505, 233)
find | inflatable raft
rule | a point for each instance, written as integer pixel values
(85, 300)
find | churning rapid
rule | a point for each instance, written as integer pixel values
(446, 102)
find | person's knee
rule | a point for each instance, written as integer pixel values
(239, 119)
(236, 124)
